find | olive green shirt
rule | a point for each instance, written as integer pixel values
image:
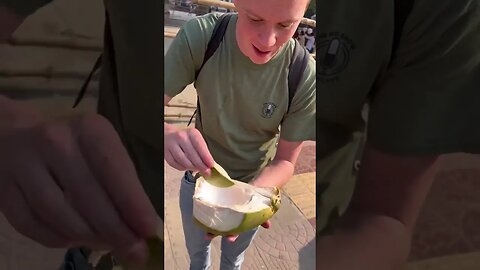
(242, 104)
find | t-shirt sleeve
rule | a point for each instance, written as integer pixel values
(428, 101)
(24, 7)
(185, 54)
(299, 122)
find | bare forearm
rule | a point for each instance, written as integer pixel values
(277, 173)
(364, 242)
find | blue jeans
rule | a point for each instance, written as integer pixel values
(198, 247)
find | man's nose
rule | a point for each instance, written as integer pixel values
(267, 38)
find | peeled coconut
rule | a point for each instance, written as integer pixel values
(223, 206)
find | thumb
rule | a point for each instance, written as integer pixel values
(267, 224)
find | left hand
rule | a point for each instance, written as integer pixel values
(232, 238)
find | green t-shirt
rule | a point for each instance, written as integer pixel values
(242, 104)
(424, 102)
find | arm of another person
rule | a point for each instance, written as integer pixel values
(375, 232)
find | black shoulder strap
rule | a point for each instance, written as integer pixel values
(402, 10)
(96, 66)
(296, 69)
(215, 40)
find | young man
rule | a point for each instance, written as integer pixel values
(244, 111)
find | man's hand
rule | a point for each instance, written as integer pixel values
(71, 183)
(185, 149)
(232, 238)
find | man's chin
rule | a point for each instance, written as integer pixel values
(260, 60)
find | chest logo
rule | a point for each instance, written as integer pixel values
(268, 109)
(333, 55)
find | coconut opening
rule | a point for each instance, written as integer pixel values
(245, 198)
(223, 209)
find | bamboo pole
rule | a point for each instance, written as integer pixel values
(66, 43)
(215, 3)
(181, 106)
(170, 34)
(231, 6)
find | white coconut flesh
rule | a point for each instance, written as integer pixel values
(224, 208)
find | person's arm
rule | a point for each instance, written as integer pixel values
(375, 232)
(281, 168)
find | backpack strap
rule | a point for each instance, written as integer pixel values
(297, 67)
(213, 44)
(83, 90)
(216, 38)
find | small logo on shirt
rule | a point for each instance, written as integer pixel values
(333, 55)
(268, 109)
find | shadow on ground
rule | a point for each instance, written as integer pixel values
(305, 256)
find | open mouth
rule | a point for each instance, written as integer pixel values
(260, 52)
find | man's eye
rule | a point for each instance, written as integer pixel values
(255, 20)
(286, 25)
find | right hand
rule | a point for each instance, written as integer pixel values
(185, 149)
(71, 183)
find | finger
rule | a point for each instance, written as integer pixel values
(267, 224)
(48, 203)
(180, 157)
(193, 156)
(23, 219)
(111, 164)
(201, 147)
(91, 199)
(172, 162)
(232, 238)
(66, 164)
